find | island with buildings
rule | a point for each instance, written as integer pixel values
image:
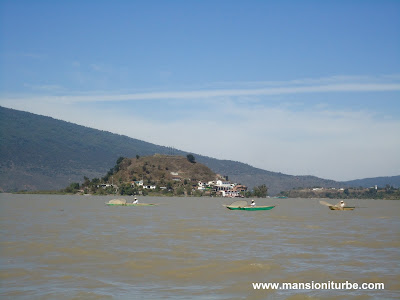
(164, 175)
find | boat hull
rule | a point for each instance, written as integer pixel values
(332, 207)
(131, 204)
(250, 208)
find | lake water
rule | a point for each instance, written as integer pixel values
(75, 247)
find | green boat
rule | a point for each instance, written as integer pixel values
(243, 205)
(249, 207)
(333, 207)
(130, 204)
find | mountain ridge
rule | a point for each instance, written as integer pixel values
(39, 152)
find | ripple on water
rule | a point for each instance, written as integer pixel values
(67, 247)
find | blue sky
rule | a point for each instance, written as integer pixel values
(299, 87)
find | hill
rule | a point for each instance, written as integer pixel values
(159, 174)
(162, 169)
(393, 181)
(42, 153)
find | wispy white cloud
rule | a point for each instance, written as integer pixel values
(101, 68)
(44, 87)
(330, 144)
(32, 55)
(339, 145)
(322, 140)
(215, 93)
(96, 67)
(333, 84)
(337, 79)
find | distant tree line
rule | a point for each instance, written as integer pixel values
(388, 193)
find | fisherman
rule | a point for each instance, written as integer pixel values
(341, 205)
(253, 203)
(135, 201)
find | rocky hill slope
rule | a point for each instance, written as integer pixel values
(161, 169)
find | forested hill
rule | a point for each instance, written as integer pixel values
(42, 153)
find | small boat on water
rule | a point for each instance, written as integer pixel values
(243, 205)
(122, 202)
(333, 207)
(130, 204)
(249, 207)
(337, 206)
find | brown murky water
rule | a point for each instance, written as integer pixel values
(75, 247)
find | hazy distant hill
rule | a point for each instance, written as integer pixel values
(44, 153)
(38, 153)
(393, 181)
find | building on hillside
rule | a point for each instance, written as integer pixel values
(202, 186)
(228, 189)
(223, 185)
(230, 193)
(105, 185)
(240, 188)
(137, 183)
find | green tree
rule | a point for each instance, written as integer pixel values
(198, 193)
(247, 194)
(74, 185)
(86, 181)
(180, 190)
(191, 158)
(72, 188)
(261, 191)
(127, 189)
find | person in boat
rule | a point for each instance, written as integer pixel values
(341, 204)
(135, 201)
(253, 203)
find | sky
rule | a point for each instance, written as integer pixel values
(298, 87)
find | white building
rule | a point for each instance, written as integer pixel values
(230, 193)
(223, 185)
(202, 186)
(149, 187)
(105, 185)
